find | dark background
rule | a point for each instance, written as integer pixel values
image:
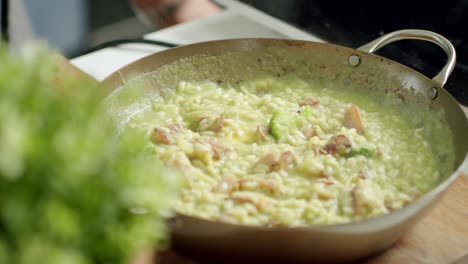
(354, 23)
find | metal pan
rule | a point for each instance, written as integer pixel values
(239, 59)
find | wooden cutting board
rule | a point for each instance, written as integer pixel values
(441, 237)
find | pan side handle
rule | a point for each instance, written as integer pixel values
(418, 34)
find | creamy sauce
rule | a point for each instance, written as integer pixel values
(287, 152)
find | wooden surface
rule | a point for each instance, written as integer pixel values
(441, 237)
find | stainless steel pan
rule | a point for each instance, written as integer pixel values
(239, 59)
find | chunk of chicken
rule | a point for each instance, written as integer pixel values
(308, 131)
(215, 124)
(285, 159)
(176, 127)
(276, 162)
(159, 136)
(218, 149)
(309, 101)
(218, 124)
(269, 185)
(270, 160)
(352, 119)
(261, 134)
(337, 144)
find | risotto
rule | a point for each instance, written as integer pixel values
(285, 152)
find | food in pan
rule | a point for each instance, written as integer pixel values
(288, 152)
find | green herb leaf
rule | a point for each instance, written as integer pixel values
(362, 152)
(69, 184)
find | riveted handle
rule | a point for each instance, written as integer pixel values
(442, 76)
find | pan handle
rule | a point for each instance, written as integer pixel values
(419, 34)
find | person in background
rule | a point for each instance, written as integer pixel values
(63, 24)
(163, 13)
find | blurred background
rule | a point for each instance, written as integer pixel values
(75, 26)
